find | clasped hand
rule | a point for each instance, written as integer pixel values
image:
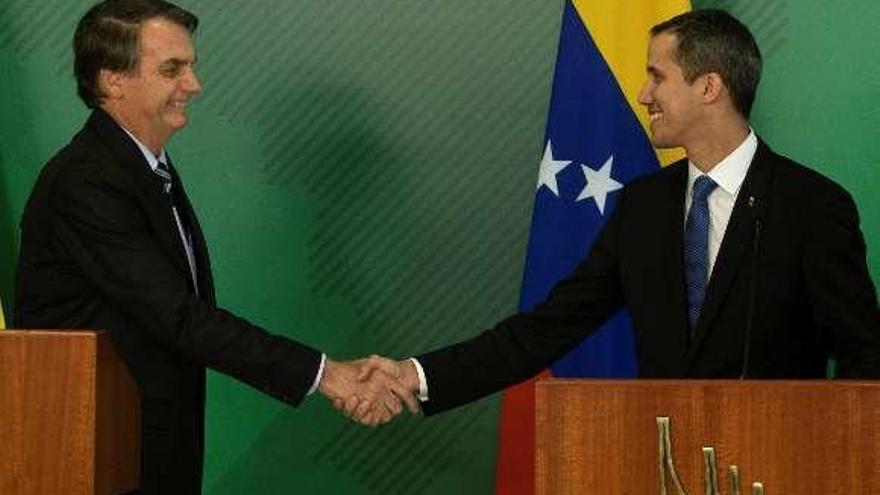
(371, 391)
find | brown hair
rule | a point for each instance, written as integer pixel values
(711, 40)
(107, 37)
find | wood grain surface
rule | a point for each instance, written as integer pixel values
(797, 437)
(69, 420)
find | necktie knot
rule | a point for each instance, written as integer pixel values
(164, 171)
(703, 187)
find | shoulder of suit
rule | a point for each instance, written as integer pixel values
(85, 158)
(794, 176)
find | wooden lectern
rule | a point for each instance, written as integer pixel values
(794, 437)
(69, 415)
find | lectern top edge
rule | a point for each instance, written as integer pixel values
(641, 383)
(51, 331)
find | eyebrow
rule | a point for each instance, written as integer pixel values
(176, 62)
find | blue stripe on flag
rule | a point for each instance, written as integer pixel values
(589, 121)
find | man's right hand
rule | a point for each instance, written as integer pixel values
(371, 391)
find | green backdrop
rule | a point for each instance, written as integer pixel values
(364, 174)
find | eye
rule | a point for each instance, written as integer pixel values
(654, 75)
(170, 69)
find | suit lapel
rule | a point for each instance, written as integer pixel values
(737, 242)
(200, 250)
(672, 223)
(154, 201)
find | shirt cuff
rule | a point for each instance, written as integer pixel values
(423, 382)
(318, 376)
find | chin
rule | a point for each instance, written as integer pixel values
(177, 123)
(664, 145)
(663, 141)
(659, 142)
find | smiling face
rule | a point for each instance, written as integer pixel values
(674, 105)
(150, 101)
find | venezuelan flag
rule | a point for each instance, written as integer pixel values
(596, 141)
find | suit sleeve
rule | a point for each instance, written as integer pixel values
(842, 297)
(98, 222)
(522, 345)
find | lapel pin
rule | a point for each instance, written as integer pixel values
(751, 201)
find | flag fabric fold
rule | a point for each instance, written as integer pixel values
(596, 142)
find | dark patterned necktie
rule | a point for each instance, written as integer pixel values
(183, 228)
(696, 248)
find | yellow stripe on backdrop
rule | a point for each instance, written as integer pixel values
(620, 31)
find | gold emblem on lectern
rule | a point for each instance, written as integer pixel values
(710, 472)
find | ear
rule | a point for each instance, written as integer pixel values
(110, 83)
(713, 87)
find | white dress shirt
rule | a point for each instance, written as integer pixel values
(186, 237)
(729, 174)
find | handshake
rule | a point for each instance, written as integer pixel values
(373, 390)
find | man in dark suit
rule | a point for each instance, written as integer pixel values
(734, 262)
(110, 241)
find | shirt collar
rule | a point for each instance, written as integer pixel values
(730, 172)
(152, 159)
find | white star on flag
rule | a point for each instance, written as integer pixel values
(549, 169)
(599, 184)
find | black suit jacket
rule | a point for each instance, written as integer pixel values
(813, 297)
(100, 249)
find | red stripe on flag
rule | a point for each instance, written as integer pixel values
(515, 470)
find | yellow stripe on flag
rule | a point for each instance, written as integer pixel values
(620, 30)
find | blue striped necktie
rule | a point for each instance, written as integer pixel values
(696, 248)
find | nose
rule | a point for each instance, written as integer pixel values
(191, 82)
(645, 94)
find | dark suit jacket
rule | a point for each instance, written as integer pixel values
(813, 297)
(100, 249)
